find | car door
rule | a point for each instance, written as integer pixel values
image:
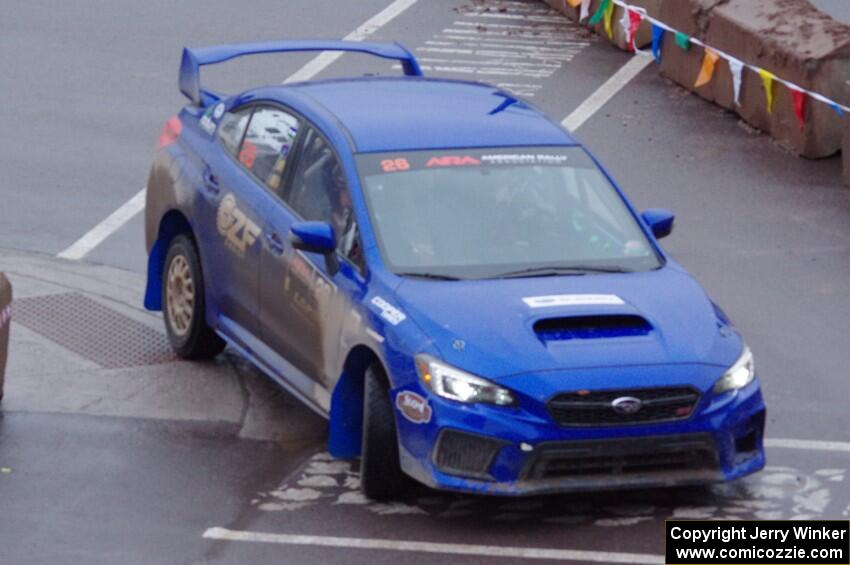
(236, 197)
(301, 305)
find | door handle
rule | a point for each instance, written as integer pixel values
(275, 243)
(211, 181)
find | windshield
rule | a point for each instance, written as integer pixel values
(500, 212)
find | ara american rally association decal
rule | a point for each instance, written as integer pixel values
(413, 407)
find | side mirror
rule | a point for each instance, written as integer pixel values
(316, 237)
(660, 221)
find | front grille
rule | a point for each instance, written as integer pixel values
(622, 457)
(458, 453)
(595, 408)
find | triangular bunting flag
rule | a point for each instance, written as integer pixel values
(609, 20)
(599, 13)
(837, 109)
(574, 3)
(798, 98)
(585, 10)
(683, 40)
(657, 41)
(709, 61)
(767, 80)
(634, 23)
(736, 67)
(625, 23)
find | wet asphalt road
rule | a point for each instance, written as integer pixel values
(767, 234)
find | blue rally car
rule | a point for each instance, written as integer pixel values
(449, 277)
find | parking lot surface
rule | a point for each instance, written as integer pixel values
(114, 454)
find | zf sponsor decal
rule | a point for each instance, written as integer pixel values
(573, 300)
(413, 407)
(388, 312)
(239, 232)
(5, 315)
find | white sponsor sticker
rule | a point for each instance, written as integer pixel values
(573, 300)
(388, 312)
(218, 111)
(207, 124)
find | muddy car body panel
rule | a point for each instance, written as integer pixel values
(603, 378)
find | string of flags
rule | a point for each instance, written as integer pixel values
(633, 16)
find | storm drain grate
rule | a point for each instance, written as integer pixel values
(93, 331)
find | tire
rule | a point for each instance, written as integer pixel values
(381, 477)
(183, 304)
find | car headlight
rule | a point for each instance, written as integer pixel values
(454, 384)
(738, 375)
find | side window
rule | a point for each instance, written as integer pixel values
(267, 144)
(318, 192)
(232, 128)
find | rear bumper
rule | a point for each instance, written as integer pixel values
(514, 458)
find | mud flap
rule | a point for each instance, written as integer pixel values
(346, 418)
(153, 289)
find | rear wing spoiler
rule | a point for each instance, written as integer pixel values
(193, 59)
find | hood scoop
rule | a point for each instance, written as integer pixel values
(604, 326)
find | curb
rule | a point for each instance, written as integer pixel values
(46, 376)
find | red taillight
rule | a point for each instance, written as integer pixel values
(172, 128)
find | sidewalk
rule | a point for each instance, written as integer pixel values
(81, 343)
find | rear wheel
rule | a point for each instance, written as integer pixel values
(381, 477)
(184, 305)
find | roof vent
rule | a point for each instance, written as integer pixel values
(591, 327)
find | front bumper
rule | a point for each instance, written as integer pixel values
(492, 450)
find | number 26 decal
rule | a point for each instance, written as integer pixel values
(393, 165)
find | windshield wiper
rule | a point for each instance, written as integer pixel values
(574, 270)
(432, 276)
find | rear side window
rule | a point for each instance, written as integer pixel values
(267, 144)
(232, 128)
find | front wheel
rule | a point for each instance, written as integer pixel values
(183, 301)
(381, 477)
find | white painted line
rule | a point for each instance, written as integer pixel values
(429, 547)
(607, 91)
(125, 213)
(321, 62)
(808, 444)
(104, 229)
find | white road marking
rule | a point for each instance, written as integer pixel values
(129, 209)
(321, 62)
(808, 444)
(511, 52)
(430, 547)
(104, 229)
(607, 91)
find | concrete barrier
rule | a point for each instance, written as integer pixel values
(790, 38)
(5, 321)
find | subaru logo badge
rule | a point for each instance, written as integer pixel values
(626, 405)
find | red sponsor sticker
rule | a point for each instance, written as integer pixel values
(452, 161)
(413, 407)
